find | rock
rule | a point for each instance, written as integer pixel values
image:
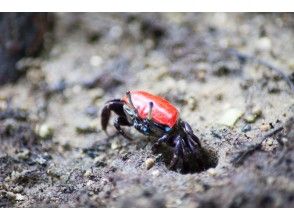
(192, 103)
(250, 118)
(115, 145)
(53, 171)
(155, 173)
(101, 157)
(230, 117)
(100, 161)
(291, 63)
(264, 127)
(211, 171)
(15, 175)
(45, 131)
(40, 160)
(23, 155)
(201, 75)
(18, 189)
(3, 103)
(90, 183)
(246, 128)
(85, 129)
(96, 61)
(88, 173)
(19, 197)
(264, 44)
(11, 195)
(268, 145)
(149, 163)
(256, 113)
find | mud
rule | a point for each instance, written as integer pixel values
(54, 154)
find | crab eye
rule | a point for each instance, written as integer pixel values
(167, 129)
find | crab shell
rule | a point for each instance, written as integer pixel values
(163, 112)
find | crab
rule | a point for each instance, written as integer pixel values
(154, 116)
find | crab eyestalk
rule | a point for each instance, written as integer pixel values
(130, 101)
(149, 117)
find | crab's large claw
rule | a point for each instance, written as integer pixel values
(115, 105)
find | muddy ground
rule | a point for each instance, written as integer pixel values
(224, 72)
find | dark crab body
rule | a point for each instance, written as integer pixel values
(156, 117)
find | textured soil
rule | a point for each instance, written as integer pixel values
(54, 154)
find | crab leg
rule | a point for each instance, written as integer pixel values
(124, 122)
(177, 153)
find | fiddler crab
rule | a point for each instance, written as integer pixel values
(154, 116)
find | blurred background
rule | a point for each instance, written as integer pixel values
(230, 75)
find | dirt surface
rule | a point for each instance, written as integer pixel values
(216, 68)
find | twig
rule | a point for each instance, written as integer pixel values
(244, 57)
(239, 159)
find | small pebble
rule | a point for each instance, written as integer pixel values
(256, 113)
(100, 158)
(40, 160)
(211, 171)
(201, 75)
(88, 173)
(192, 103)
(18, 189)
(264, 44)
(3, 103)
(291, 64)
(270, 142)
(155, 173)
(19, 197)
(45, 131)
(246, 128)
(90, 183)
(265, 127)
(250, 118)
(230, 117)
(15, 175)
(96, 61)
(149, 163)
(115, 145)
(270, 180)
(11, 195)
(23, 155)
(268, 145)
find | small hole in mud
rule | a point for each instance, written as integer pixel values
(206, 158)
